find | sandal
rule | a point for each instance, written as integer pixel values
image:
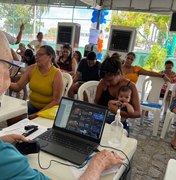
(173, 146)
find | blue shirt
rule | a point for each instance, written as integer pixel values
(15, 166)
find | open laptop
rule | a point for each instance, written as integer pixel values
(81, 124)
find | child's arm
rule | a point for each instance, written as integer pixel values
(129, 107)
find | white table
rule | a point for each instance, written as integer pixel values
(170, 170)
(12, 107)
(58, 171)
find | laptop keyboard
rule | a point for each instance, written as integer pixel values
(67, 142)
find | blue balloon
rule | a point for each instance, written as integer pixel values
(102, 20)
(95, 13)
(106, 12)
(99, 56)
(94, 19)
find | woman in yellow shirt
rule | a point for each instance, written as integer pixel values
(132, 72)
(45, 82)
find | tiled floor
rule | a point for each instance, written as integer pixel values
(152, 153)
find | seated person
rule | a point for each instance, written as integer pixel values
(21, 49)
(9, 164)
(109, 88)
(171, 74)
(88, 69)
(45, 82)
(78, 56)
(28, 57)
(35, 45)
(66, 62)
(132, 72)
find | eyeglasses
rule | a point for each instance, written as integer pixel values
(40, 54)
(13, 68)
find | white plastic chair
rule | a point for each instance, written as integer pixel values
(169, 116)
(89, 88)
(152, 101)
(68, 81)
(139, 84)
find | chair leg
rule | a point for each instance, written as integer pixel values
(142, 117)
(165, 125)
(156, 122)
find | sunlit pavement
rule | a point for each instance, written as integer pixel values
(152, 153)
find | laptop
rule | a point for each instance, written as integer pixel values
(76, 131)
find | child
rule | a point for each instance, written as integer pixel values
(124, 99)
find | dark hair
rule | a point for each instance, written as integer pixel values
(29, 53)
(132, 53)
(67, 46)
(50, 52)
(69, 58)
(125, 89)
(169, 62)
(110, 66)
(79, 55)
(39, 33)
(91, 56)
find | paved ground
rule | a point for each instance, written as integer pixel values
(152, 153)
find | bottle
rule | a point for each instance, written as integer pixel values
(116, 131)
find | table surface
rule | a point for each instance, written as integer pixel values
(58, 171)
(170, 170)
(12, 107)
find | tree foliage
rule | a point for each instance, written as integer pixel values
(18, 14)
(145, 24)
(156, 58)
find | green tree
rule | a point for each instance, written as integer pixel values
(146, 25)
(17, 14)
(156, 58)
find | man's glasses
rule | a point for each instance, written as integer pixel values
(13, 68)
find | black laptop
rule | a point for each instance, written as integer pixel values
(76, 132)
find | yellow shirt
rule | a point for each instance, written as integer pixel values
(41, 87)
(133, 76)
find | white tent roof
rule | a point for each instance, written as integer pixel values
(128, 5)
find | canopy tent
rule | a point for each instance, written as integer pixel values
(128, 5)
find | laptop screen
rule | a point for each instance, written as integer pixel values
(81, 117)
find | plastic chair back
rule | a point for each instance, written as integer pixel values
(89, 88)
(68, 81)
(152, 86)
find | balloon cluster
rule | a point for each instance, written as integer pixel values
(102, 16)
(94, 19)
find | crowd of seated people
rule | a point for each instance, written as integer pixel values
(112, 77)
(112, 74)
(9, 164)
